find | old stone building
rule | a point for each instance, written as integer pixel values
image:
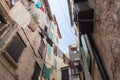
(106, 35)
(21, 22)
(100, 29)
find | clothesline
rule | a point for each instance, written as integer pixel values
(56, 50)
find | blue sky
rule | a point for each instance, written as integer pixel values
(60, 9)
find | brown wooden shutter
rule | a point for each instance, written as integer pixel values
(15, 48)
(65, 74)
(42, 47)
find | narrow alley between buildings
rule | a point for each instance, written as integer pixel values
(59, 40)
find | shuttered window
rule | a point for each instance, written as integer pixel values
(42, 48)
(65, 74)
(15, 48)
(11, 3)
(55, 64)
(52, 26)
(49, 50)
(36, 72)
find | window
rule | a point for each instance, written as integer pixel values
(15, 48)
(57, 40)
(52, 26)
(55, 64)
(65, 74)
(41, 47)
(11, 3)
(51, 35)
(36, 72)
(4, 22)
(3, 27)
(46, 72)
(49, 50)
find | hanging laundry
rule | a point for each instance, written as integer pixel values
(46, 72)
(55, 50)
(50, 42)
(38, 5)
(42, 8)
(42, 47)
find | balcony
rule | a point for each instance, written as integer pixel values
(85, 16)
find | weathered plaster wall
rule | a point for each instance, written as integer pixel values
(107, 35)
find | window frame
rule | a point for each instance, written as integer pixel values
(49, 48)
(7, 22)
(9, 57)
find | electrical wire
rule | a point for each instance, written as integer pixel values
(67, 22)
(64, 12)
(66, 34)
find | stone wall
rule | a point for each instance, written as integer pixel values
(26, 62)
(107, 35)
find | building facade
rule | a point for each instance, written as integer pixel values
(21, 25)
(92, 18)
(54, 60)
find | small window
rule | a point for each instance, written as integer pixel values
(55, 64)
(4, 22)
(51, 35)
(15, 48)
(65, 74)
(52, 26)
(49, 50)
(3, 25)
(42, 48)
(11, 3)
(57, 40)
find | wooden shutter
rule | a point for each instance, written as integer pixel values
(15, 48)
(42, 48)
(65, 74)
(36, 72)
